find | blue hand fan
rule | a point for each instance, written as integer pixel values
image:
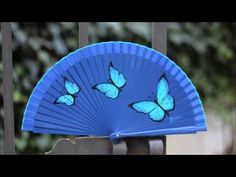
(114, 89)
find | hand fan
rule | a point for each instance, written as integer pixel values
(114, 89)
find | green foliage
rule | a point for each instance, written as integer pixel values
(205, 51)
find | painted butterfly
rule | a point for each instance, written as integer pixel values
(69, 97)
(112, 90)
(160, 106)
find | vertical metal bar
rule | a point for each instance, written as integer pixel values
(159, 36)
(83, 34)
(9, 133)
(159, 42)
(64, 146)
(234, 111)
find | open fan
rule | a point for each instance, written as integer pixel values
(114, 89)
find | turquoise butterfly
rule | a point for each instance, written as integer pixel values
(157, 109)
(69, 97)
(112, 89)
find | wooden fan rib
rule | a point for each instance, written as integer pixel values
(67, 70)
(140, 65)
(107, 60)
(86, 59)
(88, 100)
(58, 92)
(95, 99)
(103, 76)
(91, 119)
(95, 79)
(83, 92)
(98, 99)
(146, 84)
(54, 98)
(52, 128)
(84, 113)
(63, 123)
(105, 57)
(141, 53)
(44, 124)
(89, 96)
(59, 132)
(65, 116)
(127, 70)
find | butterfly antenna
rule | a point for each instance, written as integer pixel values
(94, 87)
(130, 105)
(65, 79)
(167, 113)
(163, 75)
(63, 91)
(153, 95)
(55, 102)
(111, 65)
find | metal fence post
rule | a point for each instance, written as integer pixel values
(83, 34)
(159, 42)
(9, 133)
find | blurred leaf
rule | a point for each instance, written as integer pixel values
(43, 142)
(44, 57)
(21, 143)
(19, 97)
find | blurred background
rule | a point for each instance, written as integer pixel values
(205, 51)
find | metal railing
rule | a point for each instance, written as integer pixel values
(159, 42)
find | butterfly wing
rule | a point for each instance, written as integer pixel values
(116, 77)
(108, 89)
(164, 100)
(71, 88)
(65, 99)
(157, 114)
(151, 108)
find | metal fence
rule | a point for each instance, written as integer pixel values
(159, 42)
